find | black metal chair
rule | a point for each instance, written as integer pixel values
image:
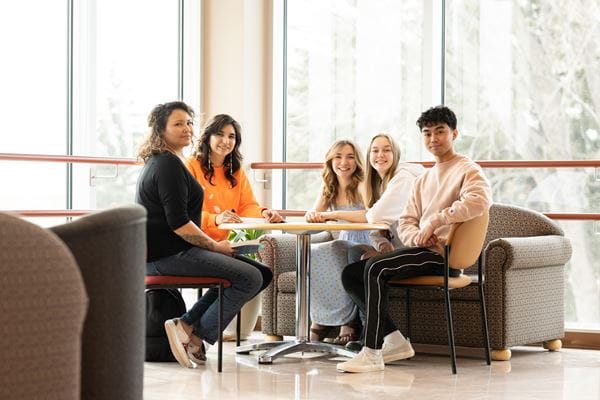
(463, 249)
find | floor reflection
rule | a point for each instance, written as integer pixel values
(532, 373)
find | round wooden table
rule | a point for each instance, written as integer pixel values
(302, 230)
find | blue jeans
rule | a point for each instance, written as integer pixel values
(247, 277)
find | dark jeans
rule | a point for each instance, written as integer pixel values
(366, 283)
(247, 277)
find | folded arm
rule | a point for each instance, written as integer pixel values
(194, 235)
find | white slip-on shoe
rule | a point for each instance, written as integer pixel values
(395, 350)
(178, 341)
(366, 361)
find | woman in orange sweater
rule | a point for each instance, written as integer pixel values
(216, 165)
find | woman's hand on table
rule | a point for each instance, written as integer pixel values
(314, 216)
(320, 216)
(227, 217)
(329, 216)
(272, 216)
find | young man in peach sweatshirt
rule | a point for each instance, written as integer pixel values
(454, 190)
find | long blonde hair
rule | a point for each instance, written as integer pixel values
(375, 185)
(331, 184)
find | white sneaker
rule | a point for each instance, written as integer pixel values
(367, 360)
(397, 349)
(178, 341)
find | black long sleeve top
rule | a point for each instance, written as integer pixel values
(172, 198)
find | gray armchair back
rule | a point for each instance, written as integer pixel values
(110, 248)
(42, 309)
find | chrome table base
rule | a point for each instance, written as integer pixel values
(302, 342)
(282, 348)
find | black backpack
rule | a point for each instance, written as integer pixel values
(161, 305)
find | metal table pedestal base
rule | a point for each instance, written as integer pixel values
(282, 348)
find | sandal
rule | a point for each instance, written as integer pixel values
(320, 333)
(343, 339)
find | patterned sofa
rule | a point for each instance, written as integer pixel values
(525, 255)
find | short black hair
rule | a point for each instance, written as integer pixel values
(437, 115)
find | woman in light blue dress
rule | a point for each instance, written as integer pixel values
(330, 305)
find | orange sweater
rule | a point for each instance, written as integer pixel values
(221, 196)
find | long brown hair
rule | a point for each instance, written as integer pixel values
(375, 185)
(331, 184)
(154, 142)
(233, 161)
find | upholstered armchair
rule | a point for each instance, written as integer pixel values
(524, 256)
(110, 249)
(43, 304)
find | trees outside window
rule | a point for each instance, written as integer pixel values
(522, 76)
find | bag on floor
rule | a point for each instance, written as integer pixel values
(161, 305)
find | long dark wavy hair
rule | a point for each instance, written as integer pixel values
(154, 142)
(233, 161)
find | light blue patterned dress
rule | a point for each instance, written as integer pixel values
(329, 303)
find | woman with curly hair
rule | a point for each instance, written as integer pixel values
(217, 166)
(176, 243)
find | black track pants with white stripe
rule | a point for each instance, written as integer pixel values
(366, 282)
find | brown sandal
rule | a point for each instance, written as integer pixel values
(320, 333)
(343, 339)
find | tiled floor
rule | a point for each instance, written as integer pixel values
(532, 373)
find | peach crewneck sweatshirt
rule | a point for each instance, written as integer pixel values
(453, 191)
(221, 196)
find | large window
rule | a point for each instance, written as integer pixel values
(83, 82)
(521, 75)
(354, 69)
(120, 74)
(33, 93)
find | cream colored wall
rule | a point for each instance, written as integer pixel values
(236, 73)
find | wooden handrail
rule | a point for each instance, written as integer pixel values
(50, 213)
(292, 213)
(291, 165)
(299, 165)
(482, 163)
(574, 216)
(69, 159)
(285, 213)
